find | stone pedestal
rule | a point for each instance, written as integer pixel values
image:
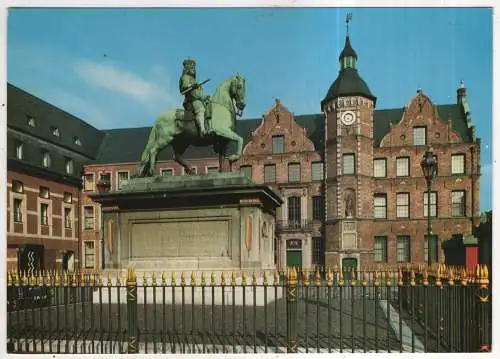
(199, 222)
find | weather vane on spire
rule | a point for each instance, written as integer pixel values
(348, 19)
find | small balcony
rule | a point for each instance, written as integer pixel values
(295, 225)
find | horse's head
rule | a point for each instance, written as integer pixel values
(237, 92)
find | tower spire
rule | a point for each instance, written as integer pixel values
(348, 19)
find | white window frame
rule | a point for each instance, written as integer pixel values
(275, 144)
(85, 228)
(381, 198)
(86, 182)
(463, 203)
(118, 181)
(458, 164)
(403, 205)
(19, 151)
(377, 171)
(92, 254)
(417, 135)
(399, 171)
(320, 168)
(163, 170)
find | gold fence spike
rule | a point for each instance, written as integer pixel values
(203, 279)
(118, 279)
(265, 278)
(329, 278)
(212, 278)
(305, 276)
(153, 279)
(108, 279)
(276, 278)
(412, 278)
(163, 279)
(317, 278)
(376, 278)
(451, 276)
(254, 279)
(173, 280)
(425, 277)
(243, 278)
(233, 278)
(193, 279)
(223, 278)
(463, 280)
(364, 280)
(9, 279)
(183, 279)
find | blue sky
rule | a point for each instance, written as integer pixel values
(120, 67)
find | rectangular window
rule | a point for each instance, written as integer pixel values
(44, 214)
(18, 214)
(433, 204)
(68, 197)
(458, 164)
(402, 166)
(122, 176)
(167, 172)
(67, 217)
(318, 251)
(348, 164)
(89, 182)
(278, 144)
(247, 171)
(44, 192)
(212, 170)
(403, 249)
(19, 150)
(402, 205)
(432, 244)
(380, 206)
(70, 166)
(380, 249)
(17, 186)
(270, 174)
(458, 203)
(89, 254)
(194, 169)
(317, 171)
(379, 167)
(105, 177)
(294, 210)
(294, 172)
(419, 136)
(318, 208)
(88, 220)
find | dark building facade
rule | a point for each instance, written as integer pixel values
(350, 177)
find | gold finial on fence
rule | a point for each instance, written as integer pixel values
(425, 277)
(131, 276)
(451, 276)
(223, 278)
(145, 278)
(364, 280)
(118, 279)
(39, 279)
(305, 277)
(153, 279)
(438, 276)
(203, 279)
(412, 278)
(183, 279)
(291, 276)
(485, 276)
(243, 278)
(341, 277)
(173, 280)
(264, 281)
(329, 278)
(233, 278)
(276, 279)
(376, 278)
(212, 278)
(400, 277)
(163, 279)
(463, 280)
(193, 279)
(57, 279)
(9, 278)
(317, 278)
(108, 279)
(254, 279)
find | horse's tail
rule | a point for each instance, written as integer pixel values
(145, 157)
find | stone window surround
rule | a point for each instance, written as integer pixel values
(380, 196)
(278, 141)
(458, 164)
(193, 168)
(207, 168)
(48, 202)
(19, 150)
(164, 169)
(383, 249)
(89, 178)
(117, 177)
(399, 161)
(322, 171)
(93, 254)
(72, 219)
(406, 247)
(461, 205)
(380, 162)
(84, 217)
(350, 156)
(403, 204)
(422, 132)
(24, 212)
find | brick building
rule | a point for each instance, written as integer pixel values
(46, 150)
(350, 176)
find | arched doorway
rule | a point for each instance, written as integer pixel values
(294, 253)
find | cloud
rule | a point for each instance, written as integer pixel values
(121, 81)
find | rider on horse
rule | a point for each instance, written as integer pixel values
(194, 99)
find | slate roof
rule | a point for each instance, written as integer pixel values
(126, 145)
(348, 50)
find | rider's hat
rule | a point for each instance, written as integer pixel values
(189, 62)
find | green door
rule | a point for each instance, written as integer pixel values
(294, 259)
(349, 264)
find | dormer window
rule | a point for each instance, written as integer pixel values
(55, 131)
(31, 122)
(46, 160)
(70, 167)
(19, 150)
(77, 141)
(44, 192)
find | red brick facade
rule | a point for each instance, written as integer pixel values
(58, 231)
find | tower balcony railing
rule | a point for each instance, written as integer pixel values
(295, 225)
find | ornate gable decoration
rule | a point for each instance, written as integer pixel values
(420, 112)
(278, 121)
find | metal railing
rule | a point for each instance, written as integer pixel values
(304, 224)
(398, 310)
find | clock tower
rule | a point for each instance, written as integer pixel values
(348, 108)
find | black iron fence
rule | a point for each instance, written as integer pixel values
(400, 310)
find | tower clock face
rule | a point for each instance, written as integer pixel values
(348, 118)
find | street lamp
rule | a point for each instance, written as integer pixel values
(429, 167)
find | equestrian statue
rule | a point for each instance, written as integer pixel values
(203, 121)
